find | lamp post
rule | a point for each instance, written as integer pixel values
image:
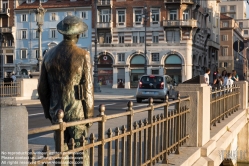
(95, 71)
(40, 11)
(145, 16)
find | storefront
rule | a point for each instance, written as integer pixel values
(137, 69)
(173, 68)
(105, 70)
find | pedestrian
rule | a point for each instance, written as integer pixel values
(235, 76)
(13, 77)
(229, 82)
(216, 76)
(206, 76)
(66, 84)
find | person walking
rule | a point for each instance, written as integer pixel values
(13, 77)
(235, 76)
(230, 81)
(206, 76)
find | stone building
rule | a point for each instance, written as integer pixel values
(181, 39)
(7, 37)
(228, 58)
(27, 35)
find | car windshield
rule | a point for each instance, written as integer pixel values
(151, 82)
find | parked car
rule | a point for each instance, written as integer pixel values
(155, 86)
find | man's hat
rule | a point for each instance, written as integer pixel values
(71, 25)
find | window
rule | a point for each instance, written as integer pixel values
(53, 17)
(225, 64)
(154, 71)
(9, 59)
(222, 9)
(173, 36)
(155, 57)
(53, 33)
(232, 8)
(155, 37)
(155, 16)
(84, 15)
(36, 34)
(36, 53)
(224, 51)
(23, 54)
(121, 57)
(24, 18)
(185, 15)
(173, 14)
(108, 38)
(138, 16)
(69, 13)
(225, 24)
(121, 18)
(246, 32)
(84, 34)
(241, 24)
(121, 37)
(104, 15)
(138, 37)
(23, 34)
(232, 15)
(225, 37)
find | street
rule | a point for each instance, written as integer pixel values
(37, 119)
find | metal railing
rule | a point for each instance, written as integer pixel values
(143, 142)
(104, 24)
(190, 22)
(5, 29)
(5, 11)
(223, 102)
(178, 1)
(10, 89)
(104, 2)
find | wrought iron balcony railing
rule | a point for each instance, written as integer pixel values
(5, 29)
(176, 23)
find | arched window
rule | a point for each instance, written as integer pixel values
(173, 59)
(138, 59)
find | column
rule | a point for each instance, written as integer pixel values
(115, 77)
(127, 78)
(198, 120)
(243, 97)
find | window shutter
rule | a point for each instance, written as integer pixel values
(27, 17)
(86, 33)
(50, 33)
(20, 17)
(56, 33)
(56, 16)
(169, 36)
(86, 14)
(177, 36)
(34, 17)
(50, 16)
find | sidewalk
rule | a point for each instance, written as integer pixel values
(106, 93)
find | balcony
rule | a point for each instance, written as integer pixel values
(5, 30)
(104, 24)
(179, 1)
(104, 3)
(180, 23)
(5, 11)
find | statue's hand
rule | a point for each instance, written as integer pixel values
(89, 125)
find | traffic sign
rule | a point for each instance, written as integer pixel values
(238, 46)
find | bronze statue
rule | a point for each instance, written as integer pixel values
(66, 81)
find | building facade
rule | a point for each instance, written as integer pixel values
(228, 58)
(181, 39)
(7, 39)
(27, 35)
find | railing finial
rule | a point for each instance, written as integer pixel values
(101, 109)
(150, 101)
(60, 115)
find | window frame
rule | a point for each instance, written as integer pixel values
(26, 54)
(9, 56)
(24, 18)
(138, 21)
(53, 33)
(138, 37)
(173, 14)
(121, 57)
(104, 17)
(84, 34)
(155, 17)
(155, 37)
(121, 37)
(185, 13)
(122, 16)
(22, 34)
(225, 24)
(245, 31)
(155, 57)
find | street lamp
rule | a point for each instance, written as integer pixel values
(95, 71)
(40, 11)
(145, 16)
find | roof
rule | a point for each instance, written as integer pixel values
(55, 4)
(225, 17)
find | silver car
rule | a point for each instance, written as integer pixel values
(155, 86)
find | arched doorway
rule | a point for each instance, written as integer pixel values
(137, 69)
(24, 72)
(173, 67)
(105, 70)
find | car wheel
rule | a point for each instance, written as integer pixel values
(139, 100)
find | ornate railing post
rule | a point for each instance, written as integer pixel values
(165, 134)
(150, 130)
(101, 135)
(178, 107)
(60, 137)
(129, 137)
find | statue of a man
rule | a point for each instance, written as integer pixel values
(66, 81)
